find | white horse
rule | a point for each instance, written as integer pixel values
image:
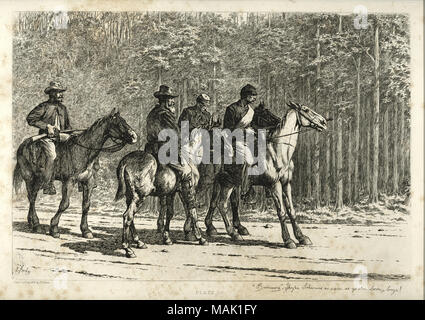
(278, 182)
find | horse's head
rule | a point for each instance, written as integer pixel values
(307, 117)
(118, 129)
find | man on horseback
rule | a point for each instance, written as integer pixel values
(198, 116)
(50, 117)
(239, 115)
(163, 116)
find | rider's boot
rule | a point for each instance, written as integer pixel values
(49, 187)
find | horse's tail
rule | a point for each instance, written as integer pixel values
(17, 172)
(17, 178)
(121, 183)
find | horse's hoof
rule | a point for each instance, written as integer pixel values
(130, 253)
(242, 231)
(189, 236)
(211, 231)
(203, 242)
(290, 244)
(54, 234)
(236, 237)
(167, 241)
(37, 229)
(88, 235)
(141, 245)
(305, 241)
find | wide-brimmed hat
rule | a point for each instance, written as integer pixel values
(203, 97)
(54, 86)
(248, 90)
(164, 91)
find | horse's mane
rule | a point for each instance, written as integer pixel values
(88, 132)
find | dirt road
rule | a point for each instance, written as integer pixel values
(337, 253)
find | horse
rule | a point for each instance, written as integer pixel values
(284, 140)
(207, 172)
(74, 163)
(140, 175)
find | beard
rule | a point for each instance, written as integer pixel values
(172, 108)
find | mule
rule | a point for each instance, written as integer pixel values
(73, 163)
(278, 182)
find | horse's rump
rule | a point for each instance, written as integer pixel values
(138, 169)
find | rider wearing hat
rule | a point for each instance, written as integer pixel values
(50, 117)
(198, 116)
(239, 115)
(163, 116)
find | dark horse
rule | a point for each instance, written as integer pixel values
(284, 140)
(74, 162)
(140, 175)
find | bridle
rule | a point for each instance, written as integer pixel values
(299, 123)
(118, 145)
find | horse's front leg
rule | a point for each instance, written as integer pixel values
(164, 212)
(234, 203)
(211, 230)
(87, 192)
(192, 214)
(160, 221)
(187, 228)
(278, 201)
(287, 198)
(64, 204)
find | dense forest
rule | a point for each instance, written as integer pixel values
(358, 77)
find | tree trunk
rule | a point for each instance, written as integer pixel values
(333, 153)
(339, 180)
(308, 146)
(386, 161)
(356, 185)
(368, 121)
(327, 176)
(397, 145)
(299, 164)
(214, 91)
(159, 76)
(374, 194)
(349, 165)
(316, 147)
(402, 144)
(184, 100)
(268, 90)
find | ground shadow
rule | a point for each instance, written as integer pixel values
(107, 240)
(23, 226)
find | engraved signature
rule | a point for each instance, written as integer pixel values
(21, 268)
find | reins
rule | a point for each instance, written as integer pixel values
(109, 149)
(292, 133)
